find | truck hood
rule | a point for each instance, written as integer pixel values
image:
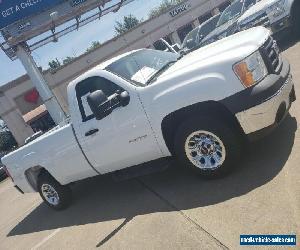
(257, 8)
(239, 46)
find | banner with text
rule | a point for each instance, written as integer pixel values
(15, 10)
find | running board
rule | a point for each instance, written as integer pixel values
(147, 168)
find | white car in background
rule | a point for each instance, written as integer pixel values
(277, 15)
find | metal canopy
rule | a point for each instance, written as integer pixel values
(47, 26)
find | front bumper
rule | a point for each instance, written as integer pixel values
(264, 105)
(269, 113)
(281, 24)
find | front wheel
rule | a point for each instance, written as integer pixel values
(53, 193)
(209, 146)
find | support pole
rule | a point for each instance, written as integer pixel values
(41, 85)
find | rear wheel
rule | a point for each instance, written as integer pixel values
(209, 146)
(54, 194)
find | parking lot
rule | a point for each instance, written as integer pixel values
(173, 209)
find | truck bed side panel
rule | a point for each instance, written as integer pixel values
(58, 152)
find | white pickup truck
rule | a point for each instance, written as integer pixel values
(148, 105)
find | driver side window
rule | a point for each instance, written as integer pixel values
(89, 85)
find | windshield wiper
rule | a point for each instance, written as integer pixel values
(161, 70)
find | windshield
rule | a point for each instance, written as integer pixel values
(195, 36)
(191, 39)
(231, 12)
(140, 66)
(208, 26)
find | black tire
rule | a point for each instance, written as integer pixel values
(226, 133)
(296, 20)
(64, 192)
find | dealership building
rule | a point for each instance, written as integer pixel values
(20, 104)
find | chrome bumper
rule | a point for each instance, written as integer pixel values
(268, 113)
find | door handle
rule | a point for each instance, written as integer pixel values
(91, 132)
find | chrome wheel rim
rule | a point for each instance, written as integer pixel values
(205, 150)
(50, 194)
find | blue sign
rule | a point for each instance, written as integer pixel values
(16, 10)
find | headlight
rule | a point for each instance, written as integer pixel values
(251, 70)
(277, 9)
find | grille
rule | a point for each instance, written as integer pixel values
(271, 55)
(260, 20)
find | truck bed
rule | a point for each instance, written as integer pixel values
(57, 151)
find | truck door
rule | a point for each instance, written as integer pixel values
(122, 139)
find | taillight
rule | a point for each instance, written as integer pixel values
(7, 173)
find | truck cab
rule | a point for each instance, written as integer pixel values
(123, 136)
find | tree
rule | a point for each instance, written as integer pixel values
(54, 64)
(7, 141)
(128, 23)
(163, 7)
(68, 59)
(95, 44)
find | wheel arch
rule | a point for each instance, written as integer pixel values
(32, 175)
(171, 122)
